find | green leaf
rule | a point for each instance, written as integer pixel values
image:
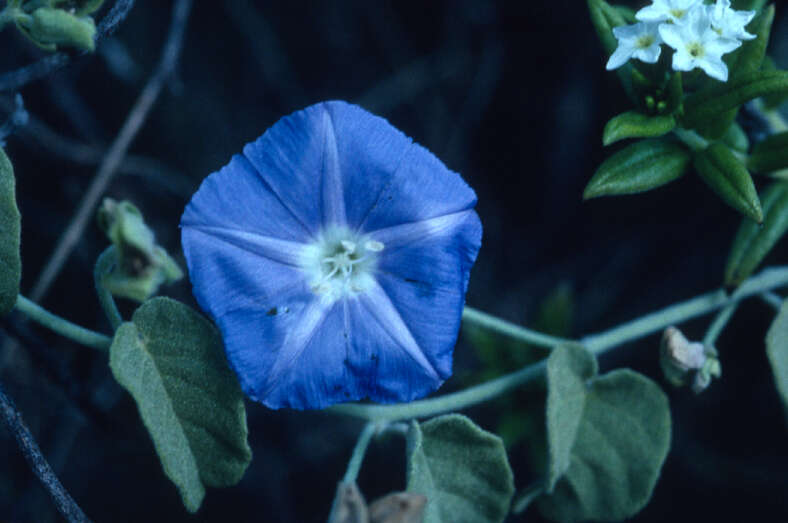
(748, 5)
(753, 242)
(605, 17)
(10, 224)
(171, 361)
(674, 94)
(621, 444)
(770, 155)
(777, 351)
(568, 369)
(640, 167)
(745, 60)
(728, 177)
(462, 469)
(706, 105)
(636, 125)
(736, 138)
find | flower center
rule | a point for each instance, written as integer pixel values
(678, 13)
(695, 49)
(644, 42)
(341, 263)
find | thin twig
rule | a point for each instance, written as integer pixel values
(117, 150)
(13, 80)
(27, 444)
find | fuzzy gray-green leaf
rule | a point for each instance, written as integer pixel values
(728, 177)
(753, 242)
(640, 167)
(569, 368)
(621, 444)
(462, 469)
(10, 262)
(171, 361)
(633, 124)
(777, 351)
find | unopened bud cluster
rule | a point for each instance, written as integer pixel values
(684, 362)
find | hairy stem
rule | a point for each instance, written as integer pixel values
(106, 261)
(598, 343)
(493, 323)
(27, 444)
(354, 465)
(59, 325)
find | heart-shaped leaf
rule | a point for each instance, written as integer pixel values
(462, 469)
(171, 361)
(621, 443)
(10, 224)
(777, 351)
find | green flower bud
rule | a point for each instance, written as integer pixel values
(49, 27)
(141, 266)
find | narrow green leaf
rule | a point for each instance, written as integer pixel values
(706, 105)
(10, 224)
(640, 167)
(462, 469)
(748, 5)
(728, 177)
(753, 242)
(605, 17)
(636, 125)
(745, 60)
(736, 138)
(674, 93)
(777, 351)
(568, 369)
(171, 361)
(622, 442)
(770, 155)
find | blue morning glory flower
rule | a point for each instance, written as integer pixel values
(334, 255)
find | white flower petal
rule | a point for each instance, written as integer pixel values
(649, 55)
(682, 61)
(619, 57)
(672, 35)
(719, 46)
(715, 68)
(628, 32)
(652, 13)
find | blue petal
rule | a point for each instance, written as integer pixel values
(427, 278)
(236, 197)
(299, 160)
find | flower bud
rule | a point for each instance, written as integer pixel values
(141, 266)
(49, 27)
(685, 362)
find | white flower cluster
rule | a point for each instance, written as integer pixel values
(699, 33)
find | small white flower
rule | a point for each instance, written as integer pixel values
(728, 22)
(639, 41)
(697, 44)
(667, 10)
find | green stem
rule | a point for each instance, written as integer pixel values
(598, 343)
(772, 299)
(354, 465)
(59, 325)
(719, 323)
(493, 323)
(691, 139)
(104, 265)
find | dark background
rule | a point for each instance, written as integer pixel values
(511, 94)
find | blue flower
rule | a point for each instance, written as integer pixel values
(334, 255)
